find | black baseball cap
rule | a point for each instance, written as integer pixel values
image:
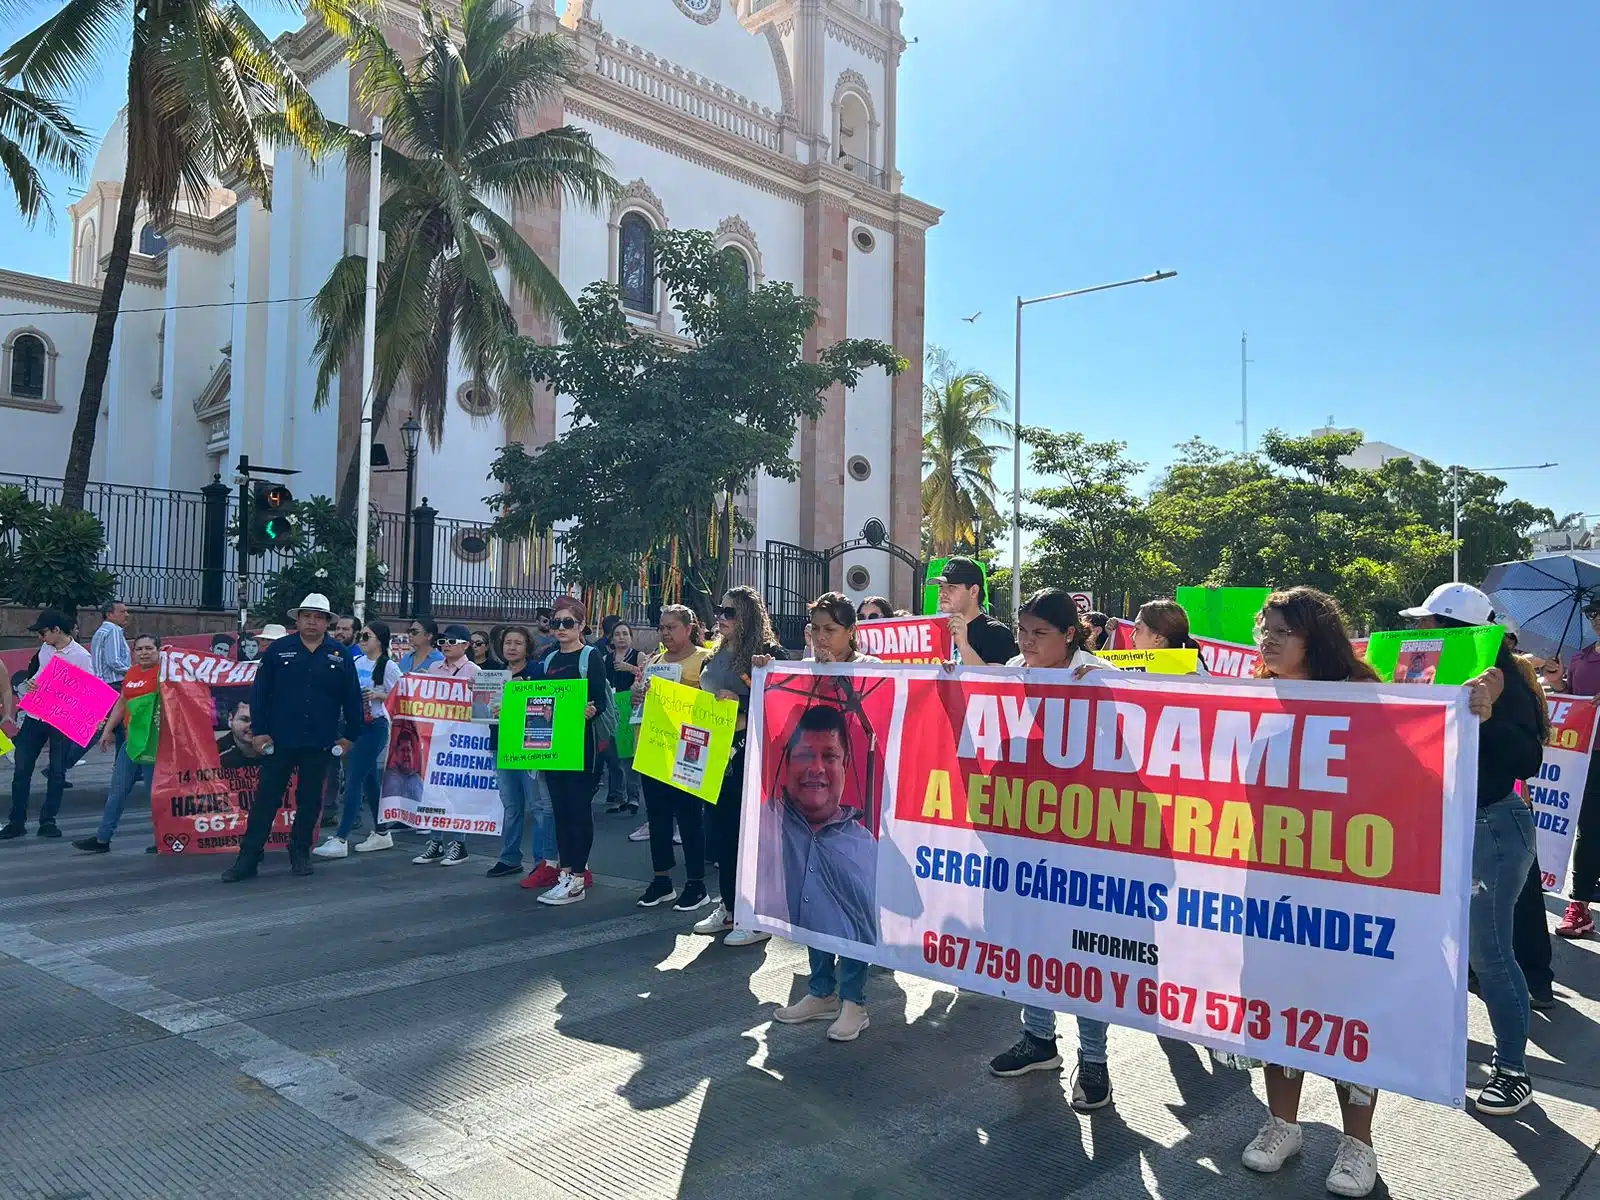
(961, 571)
(459, 633)
(52, 618)
(1591, 606)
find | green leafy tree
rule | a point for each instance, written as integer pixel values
(455, 158)
(50, 555)
(206, 89)
(324, 547)
(664, 435)
(36, 134)
(1493, 529)
(959, 419)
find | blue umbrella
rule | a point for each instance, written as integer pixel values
(1546, 598)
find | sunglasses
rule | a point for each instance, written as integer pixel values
(479, 642)
(726, 613)
(452, 641)
(367, 633)
(563, 623)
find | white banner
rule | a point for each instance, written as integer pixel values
(1278, 869)
(1557, 794)
(440, 775)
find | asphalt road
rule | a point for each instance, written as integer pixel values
(387, 1030)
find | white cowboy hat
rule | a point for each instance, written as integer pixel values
(315, 602)
(270, 633)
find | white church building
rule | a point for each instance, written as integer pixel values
(772, 123)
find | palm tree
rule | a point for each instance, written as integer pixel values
(205, 87)
(454, 159)
(958, 414)
(35, 131)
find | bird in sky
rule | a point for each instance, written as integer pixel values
(973, 317)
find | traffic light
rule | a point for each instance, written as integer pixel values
(270, 528)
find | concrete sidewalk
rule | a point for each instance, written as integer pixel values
(388, 1030)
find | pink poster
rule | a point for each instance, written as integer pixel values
(69, 698)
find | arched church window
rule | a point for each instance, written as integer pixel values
(27, 367)
(151, 240)
(636, 263)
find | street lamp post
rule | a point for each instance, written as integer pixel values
(1016, 422)
(410, 438)
(1455, 504)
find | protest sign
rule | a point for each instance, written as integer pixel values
(1275, 869)
(488, 688)
(206, 770)
(6, 746)
(686, 738)
(906, 639)
(439, 775)
(1230, 660)
(542, 724)
(1557, 794)
(69, 699)
(1227, 614)
(1154, 662)
(660, 670)
(1437, 656)
(626, 735)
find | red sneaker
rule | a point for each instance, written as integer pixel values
(543, 875)
(588, 879)
(1576, 923)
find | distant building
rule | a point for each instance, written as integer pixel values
(1368, 456)
(1579, 536)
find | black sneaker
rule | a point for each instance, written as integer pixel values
(1029, 1054)
(1091, 1086)
(238, 872)
(12, 831)
(92, 846)
(692, 897)
(299, 864)
(659, 892)
(1543, 1001)
(616, 806)
(455, 852)
(1504, 1094)
(500, 870)
(48, 830)
(431, 853)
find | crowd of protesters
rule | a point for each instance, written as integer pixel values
(318, 706)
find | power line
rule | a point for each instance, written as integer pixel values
(162, 308)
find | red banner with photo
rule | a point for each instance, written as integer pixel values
(206, 770)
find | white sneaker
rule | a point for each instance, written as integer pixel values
(677, 838)
(375, 841)
(720, 920)
(334, 847)
(568, 890)
(1355, 1168)
(1276, 1144)
(641, 834)
(745, 937)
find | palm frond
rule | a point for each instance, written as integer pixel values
(64, 53)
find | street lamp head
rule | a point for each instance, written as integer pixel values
(1158, 276)
(411, 434)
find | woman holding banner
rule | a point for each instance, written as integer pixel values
(136, 712)
(377, 673)
(1302, 635)
(453, 663)
(744, 632)
(572, 792)
(837, 990)
(1052, 634)
(681, 658)
(1510, 750)
(1164, 625)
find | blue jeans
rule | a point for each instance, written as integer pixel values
(1041, 1022)
(1502, 851)
(361, 775)
(851, 977)
(125, 776)
(519, 792)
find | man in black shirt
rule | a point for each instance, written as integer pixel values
(978, 638)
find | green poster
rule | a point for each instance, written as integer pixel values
(542, 725)
(1439, 656)
(930, 591)
(625, 729)
(1225, 613)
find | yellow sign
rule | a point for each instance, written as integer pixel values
(5, 744)
(685, 738)
(1154, 662)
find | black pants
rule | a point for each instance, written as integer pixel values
(1586, 852)
(722, 825)
(572, 799)
(1530, 936)
(273, 782)
(666, 804)
(32, 738)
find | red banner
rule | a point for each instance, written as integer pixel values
(906, 639)
(206, 771)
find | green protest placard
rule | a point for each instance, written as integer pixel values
(626, 732)
(542, 725)
(686, 738)
(1439, 656)
(1225, 613)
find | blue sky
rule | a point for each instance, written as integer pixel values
(1397, 202)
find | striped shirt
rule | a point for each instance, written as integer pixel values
(109, 652)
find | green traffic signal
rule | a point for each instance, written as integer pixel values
(270, 528)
